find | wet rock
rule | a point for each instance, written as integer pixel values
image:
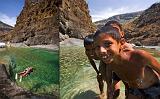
(137, 43)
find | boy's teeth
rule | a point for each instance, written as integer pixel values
(104, 57)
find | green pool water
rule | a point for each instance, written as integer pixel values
(45, 77)
(78, 78)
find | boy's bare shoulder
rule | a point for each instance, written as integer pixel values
(142, 54)
(139, 51)
(138, 56)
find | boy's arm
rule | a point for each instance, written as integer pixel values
(22, 72)
(109, 81)
(93, 65)
(151, 61)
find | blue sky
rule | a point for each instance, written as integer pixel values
(102, 9)
(9, 10)
(99, 9)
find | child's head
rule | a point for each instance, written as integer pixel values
(108, 42)
(89, 46)
(114, 23)
(113, 28)
(110, 30)
(88, 40)
(117, 25)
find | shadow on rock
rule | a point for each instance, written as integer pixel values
(36, 87)
(89, 94)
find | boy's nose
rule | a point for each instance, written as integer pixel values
(103, 50)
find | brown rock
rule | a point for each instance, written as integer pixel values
(145, 28)
(122, 18)
(37, 23)
(4, 29)
(75, 20)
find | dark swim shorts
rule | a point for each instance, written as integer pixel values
(115, 77)
(152, 92)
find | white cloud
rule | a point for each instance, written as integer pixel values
(8, 20)
(108, 12)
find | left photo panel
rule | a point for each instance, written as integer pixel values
(29, 49)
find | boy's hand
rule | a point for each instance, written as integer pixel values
(99, 77)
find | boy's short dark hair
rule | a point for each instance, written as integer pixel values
(108, 29)
(112, 22)
(88, 40)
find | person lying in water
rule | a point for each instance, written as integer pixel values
(137, 68)
(25, 73)
(101, 74)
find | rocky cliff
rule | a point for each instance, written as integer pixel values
(37, 23)
(122, 18)
(146, 28)
(75, 20)
(4, 29)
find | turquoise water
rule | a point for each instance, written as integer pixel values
(80, 79)
(45, 77)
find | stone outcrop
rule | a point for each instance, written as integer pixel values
(9, 90)
(122, 18)
(41, 21)
(4, 29)
(146, 28)
(37, 23)
(75, 20)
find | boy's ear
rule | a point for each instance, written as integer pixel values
(122, 41)
(122, 33)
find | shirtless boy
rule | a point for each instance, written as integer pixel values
(137, 68)
(90, 52)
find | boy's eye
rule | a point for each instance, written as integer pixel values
(107, 44)
(97, 47)
(87, 49)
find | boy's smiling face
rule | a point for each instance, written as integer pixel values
(90, 51)
(107, 48)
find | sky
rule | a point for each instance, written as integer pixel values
(103, 9)
(99, 9)
(9, 10)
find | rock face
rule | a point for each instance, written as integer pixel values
(40, 22)
(37, 23)
(4, 29)
(122, 18)
(146, 28)
(75, 20)
(9, 90)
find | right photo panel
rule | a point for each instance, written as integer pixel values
(109, 49)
